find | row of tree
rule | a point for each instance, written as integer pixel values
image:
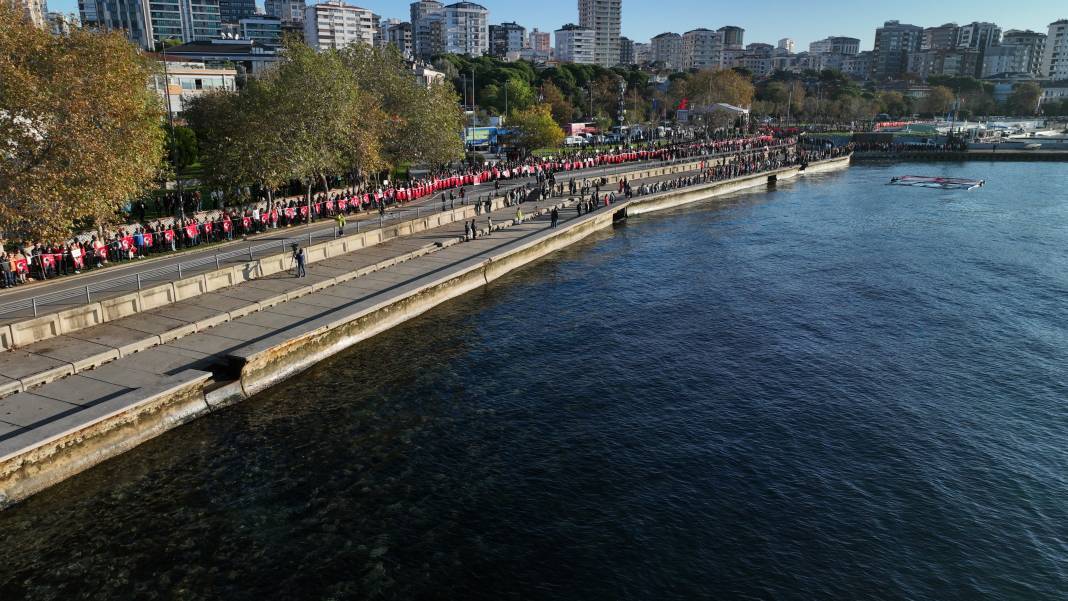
(355, 112)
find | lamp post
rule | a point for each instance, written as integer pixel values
(170, 121)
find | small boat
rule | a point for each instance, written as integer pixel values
(938, 183)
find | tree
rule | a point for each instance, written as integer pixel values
(80, 130)
(721, 85)
(938, 101)
(563, 111)
(422, 123)
(182, 151)
(1025, 98)
(535, 128)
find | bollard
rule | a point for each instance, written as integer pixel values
(34, 302)
(179, 271)
(357, 226)
(217, 264)
(250, 257)
(309, 238)
(88, 299)
(138, 281)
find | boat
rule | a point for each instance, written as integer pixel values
(938, 183)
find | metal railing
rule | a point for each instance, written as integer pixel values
(87, 294)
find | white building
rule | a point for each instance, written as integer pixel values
(62, 23)
(700, 49)
(334, 24)
(1055, 58)
(539, 41)
(667, 50)
(148, 23)
(34, 11)
(1006, 59)
(576, 44)
(186, 80)
(605, 18)
(788, 45)
(1035, 43)
(289, 11)
(465, 29)
(426, 18)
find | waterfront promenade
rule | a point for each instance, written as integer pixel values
(159, 368)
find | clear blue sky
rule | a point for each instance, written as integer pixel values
(764, 21)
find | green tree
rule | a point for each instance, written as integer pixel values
(938, 101)
(535, 128)
(1025, 98)
(182, 150)
(79, 128)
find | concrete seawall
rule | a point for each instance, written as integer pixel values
(120, 423)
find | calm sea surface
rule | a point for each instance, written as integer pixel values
(837, 390)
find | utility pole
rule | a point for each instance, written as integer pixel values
(170, 121)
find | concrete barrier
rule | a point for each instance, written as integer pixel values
(41, 457)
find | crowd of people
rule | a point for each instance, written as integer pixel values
(39, 260)
(899, 148)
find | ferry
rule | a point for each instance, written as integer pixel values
(938, 183)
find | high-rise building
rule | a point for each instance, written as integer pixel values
(62, 23)
(505, 38)
(943, 37)
(465, 29)
(149, 22)
(626, 51)
(540, 41)
(335, 25)
(233, 11)
(262, 29)
(788, 45)
(34, 11)
(979, 37)
(732, 37)
(289, 11)
(955, 62)
(605, 18)
(835, 45)
(400, 35)
(426, 28)
(1011, 58)
(87, 14)
(576, 44)
(667, 50)
(1055, 58)
(643, 53)
(699, 49)
(1034, 42)
(894, 42)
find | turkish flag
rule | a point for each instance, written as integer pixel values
(227, 225)
(291, 212)
(148, 239)
(191, 231)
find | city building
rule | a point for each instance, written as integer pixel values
(700, 49)
(667, 51)
(263, 29)
(943, 37)
(34, 11)
(540, 41)
(643, 53)
(788, 45)
(835, 45)
(626, 51)
(62, 23)
(859, 65)
(427, 76)
(576, 44)
(87, 14)
(979, 37)
(732, 37)
(505, 38)
(894, 42)
(426, 23)
(233, 11)
(334, 25)
(1055, 57)
(400, 36)
(605, 18)
(1054, 91)
(1013, 58)
(1034, 42)
(958, 62)
(246, 56)
(465, 29)
(289, 11)
(183, 80)
(148, 22)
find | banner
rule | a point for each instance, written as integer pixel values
(191, 231)
(149, 238)
(20, 264)
(168, 236)
(227, 225)
(77, 258)
(291, 212)
(246, 223)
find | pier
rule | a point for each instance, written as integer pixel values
(90, 382)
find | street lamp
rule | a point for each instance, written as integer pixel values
(170, 121)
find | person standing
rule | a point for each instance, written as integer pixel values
(298, 259)
(340, 223)
(467, 231)
(554, 217)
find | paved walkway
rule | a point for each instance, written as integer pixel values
(222, 322)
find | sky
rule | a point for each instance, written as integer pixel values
(764, 20)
